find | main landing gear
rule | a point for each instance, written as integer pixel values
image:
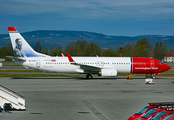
(88, 76)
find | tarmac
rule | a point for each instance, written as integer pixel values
(84, 99)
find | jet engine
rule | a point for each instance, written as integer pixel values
(108, 72)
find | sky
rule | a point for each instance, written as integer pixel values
(110, 17)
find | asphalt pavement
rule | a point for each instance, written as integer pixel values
(83, 99)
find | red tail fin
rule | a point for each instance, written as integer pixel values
(12, 29)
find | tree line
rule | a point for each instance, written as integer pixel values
(143, 48)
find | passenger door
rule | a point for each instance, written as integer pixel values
(152, 64)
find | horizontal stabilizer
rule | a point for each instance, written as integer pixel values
(18, 58)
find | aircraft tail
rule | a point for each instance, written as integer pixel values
(21, 48)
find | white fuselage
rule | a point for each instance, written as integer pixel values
(62, 64)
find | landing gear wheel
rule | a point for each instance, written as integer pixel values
(88, 76)
(7, 106)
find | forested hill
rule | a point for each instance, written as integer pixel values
(63, 38)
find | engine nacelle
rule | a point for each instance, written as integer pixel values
(109, 72)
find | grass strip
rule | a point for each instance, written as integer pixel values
(35, 75)
(33, 71)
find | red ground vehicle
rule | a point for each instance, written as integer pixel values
(155, 111)
(141, 112)
(163, 114)
(170, 117)
(150, 114)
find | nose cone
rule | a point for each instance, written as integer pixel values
(166, 67)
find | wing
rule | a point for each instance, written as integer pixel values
(84, 67)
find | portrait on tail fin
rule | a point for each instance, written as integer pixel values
(18, 52)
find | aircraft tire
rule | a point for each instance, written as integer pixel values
(88, 76)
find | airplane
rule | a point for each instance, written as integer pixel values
(103, 66)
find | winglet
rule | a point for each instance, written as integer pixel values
(62, 55)
(70, 58)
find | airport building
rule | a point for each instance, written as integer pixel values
(169, 58)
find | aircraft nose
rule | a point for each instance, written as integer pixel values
(167, 67)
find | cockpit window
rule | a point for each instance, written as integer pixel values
(161, 63)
